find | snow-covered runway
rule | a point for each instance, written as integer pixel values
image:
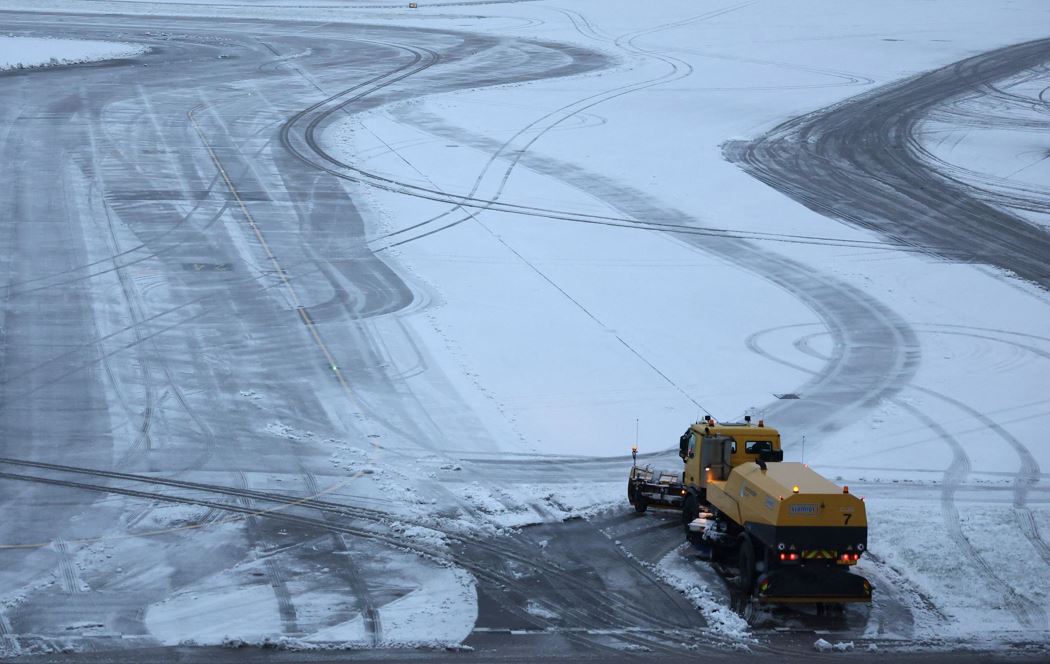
(329, 327)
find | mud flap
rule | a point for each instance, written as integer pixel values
(816, 583)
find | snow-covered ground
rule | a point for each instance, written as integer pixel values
(564, 333)
(29, 52)
(557, 335)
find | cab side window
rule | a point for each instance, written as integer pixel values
(692, 444)
(757, 446)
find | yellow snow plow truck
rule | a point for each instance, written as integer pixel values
(794, 534)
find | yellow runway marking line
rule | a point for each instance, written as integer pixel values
(197, 526)
(293, 296)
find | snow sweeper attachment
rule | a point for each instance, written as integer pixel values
(793, 534)
(657, 488)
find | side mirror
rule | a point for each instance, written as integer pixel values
(692, 454)
(771, 455)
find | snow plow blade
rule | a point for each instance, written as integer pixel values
(802, 585)
(655, 488)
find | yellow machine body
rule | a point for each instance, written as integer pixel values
(803, 532)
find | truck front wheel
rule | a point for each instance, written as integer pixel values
(690, 510)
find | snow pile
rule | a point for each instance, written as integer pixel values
(282, 430)
(498, 506)
(30, 52)
(823, 645)
(492, 510)
(419, 534)
(580, 500)
(675, 570)
(541, 611)
(173, 515)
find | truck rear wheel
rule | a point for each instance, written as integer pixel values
(746, 564)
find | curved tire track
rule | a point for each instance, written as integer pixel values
(860, 161)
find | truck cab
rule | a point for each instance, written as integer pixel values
(711, 450)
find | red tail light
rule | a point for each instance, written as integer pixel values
(783, 556)
(793, 556)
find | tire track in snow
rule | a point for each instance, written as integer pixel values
(369, 613)
(285, 606)
(67, 571)
(608, 607)
(1027, 612)
(133, 303)
(9, 644)
(874, 360)
(901, 355)
(338, 103)
(553, 119)
(597, 609)
(860, 161)
(1027, 476)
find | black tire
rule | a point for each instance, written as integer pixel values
(640, 504)
(746, 565)
(636, 499)
(690, 510)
